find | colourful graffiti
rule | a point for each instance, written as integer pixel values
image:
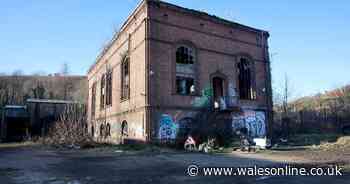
(204, 100)
(237, 122)
(254, 121)
(261, 122)
(167, 129)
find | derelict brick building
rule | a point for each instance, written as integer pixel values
(168, 65)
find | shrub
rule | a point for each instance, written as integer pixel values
(70, 129)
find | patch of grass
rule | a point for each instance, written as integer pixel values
(341, 144)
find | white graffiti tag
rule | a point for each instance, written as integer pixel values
(254, 121)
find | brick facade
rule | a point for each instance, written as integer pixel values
(150, 38)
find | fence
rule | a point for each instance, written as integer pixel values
(308, 121)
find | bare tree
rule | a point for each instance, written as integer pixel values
(71, 128)
(286, 95)
(16, 87)
(39, 91)
(282, 96)
(66, 84)
(4, 91)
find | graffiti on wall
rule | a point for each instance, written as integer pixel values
(261, 122)
(167, 128)
(237, 122)
(254, 121)
(204, 100)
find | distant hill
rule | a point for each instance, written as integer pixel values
(339, 97)
(14, 90)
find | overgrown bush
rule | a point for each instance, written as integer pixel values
(71, 128)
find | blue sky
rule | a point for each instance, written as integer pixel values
(309, 39)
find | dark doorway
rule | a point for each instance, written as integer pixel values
(124, 132)
(17, 129)
(92, 131)
(218, 88)
(16, 123)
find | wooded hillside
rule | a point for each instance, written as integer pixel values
(15, 89)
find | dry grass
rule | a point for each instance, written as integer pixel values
(342, 143)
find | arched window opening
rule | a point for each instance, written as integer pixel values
(109, 87)
(92, 131)
(103, 91)
(86, 128)
(185, 55)
(108, 130)
(93, 100)
(124, 130)
(185, 70)
(218, 88)
(102, 130)
(125, 83)
(246, 80)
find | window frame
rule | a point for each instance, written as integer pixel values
(102, 131)
(93, 100)
(187, 88)
(251, 93)
(124, 129)
(124, 90)
(103, 91)
(108, 130)
(193, 64)
(109, 88)
(92, 131)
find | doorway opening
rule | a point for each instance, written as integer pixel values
(218, 88)
(218, 92)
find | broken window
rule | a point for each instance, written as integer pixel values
(246, 80)
(103, 91)
(184, 55)
(102, 130)
(109, 87)
(92, 131)
(125, 84)
(108, 130)
(124, 129)
(184, 85)
(93, 100)
(185, 72)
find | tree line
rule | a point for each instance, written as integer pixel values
(16, 88)
(325, 112)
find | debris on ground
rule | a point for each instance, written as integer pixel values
(343, 143)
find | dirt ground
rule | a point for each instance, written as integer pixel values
(33, 164)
